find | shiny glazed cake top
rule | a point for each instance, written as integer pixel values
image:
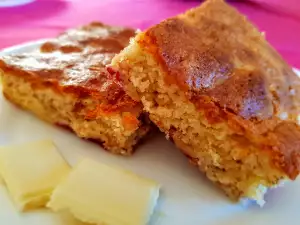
(81, 71)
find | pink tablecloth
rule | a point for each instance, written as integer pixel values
(47, 18)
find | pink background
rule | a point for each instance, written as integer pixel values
(280, 19)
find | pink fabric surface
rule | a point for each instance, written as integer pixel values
(290, 8)
(47, 18)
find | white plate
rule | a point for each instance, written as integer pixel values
(187, 198)
(11, 3)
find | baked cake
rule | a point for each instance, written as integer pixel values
(213, 84)
(66, 83)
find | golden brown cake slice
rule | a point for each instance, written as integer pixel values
(73, 88)
(213, 84)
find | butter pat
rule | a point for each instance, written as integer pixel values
(98, 194)
(31, 172)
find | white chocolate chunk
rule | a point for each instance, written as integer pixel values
(98, 194)
(31, 171)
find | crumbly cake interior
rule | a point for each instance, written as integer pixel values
(66, 83)
(229, 160)
(62, 109)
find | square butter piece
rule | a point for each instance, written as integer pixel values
(99, 194)
(31, 171)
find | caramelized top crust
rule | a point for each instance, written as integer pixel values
(84, 76)
(229, 71)
(82, 73)
(214, 51)
(92, 38)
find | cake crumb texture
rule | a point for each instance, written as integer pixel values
(66, 83)
(227, 99)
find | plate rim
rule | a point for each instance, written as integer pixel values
(27, 44)
(14, 3)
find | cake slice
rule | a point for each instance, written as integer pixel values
(66, 83)
(213, 84)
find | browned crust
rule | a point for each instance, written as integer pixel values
(81, 72)
(93, 37)
(73, 65)
(92, 82)
(228, 70)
